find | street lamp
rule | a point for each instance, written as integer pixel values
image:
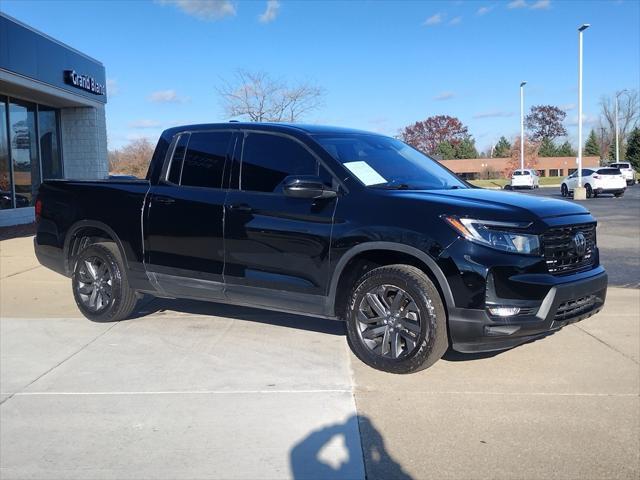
(617, 129)
(580, 194)
(522, 84)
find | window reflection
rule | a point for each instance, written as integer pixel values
(5, 173)
(49, 148)
(24, 153)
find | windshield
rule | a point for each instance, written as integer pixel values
(383, 162)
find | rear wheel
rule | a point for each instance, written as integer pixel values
(589, 190)
(564, 191)
(618, 195)
(396, 321)
(100, 285)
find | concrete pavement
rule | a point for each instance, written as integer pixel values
(194, 390)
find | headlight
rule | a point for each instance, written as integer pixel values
(496, 235)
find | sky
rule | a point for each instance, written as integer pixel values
(383, 64)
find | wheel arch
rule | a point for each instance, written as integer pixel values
(89, 229)
(347, 270)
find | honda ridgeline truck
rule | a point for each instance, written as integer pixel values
(327, 222)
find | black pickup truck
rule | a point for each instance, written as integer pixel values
(329, 222)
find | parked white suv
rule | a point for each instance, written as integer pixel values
(525, 178)
(596, 182)
(627, 170)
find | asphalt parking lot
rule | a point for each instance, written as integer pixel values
(196, 390)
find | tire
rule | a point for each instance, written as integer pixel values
(564, 191)
(100, 265)
(618, 195)
(420, 333)
(589, 190)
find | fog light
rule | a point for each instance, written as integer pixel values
(504, 311)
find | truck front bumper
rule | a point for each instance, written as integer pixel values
(475, 330)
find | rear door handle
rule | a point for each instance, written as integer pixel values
(164, 200)
(240, 207)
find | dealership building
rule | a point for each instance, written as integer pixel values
(52, 116)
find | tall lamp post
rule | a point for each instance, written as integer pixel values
(617, 128)
(579, 193)
(522, 84)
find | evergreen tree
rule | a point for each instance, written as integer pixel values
(566, 150)
(547, 148)
(502, 148)
(591, 148)
(446, 151)
(466, 149)
(633, 148)
(611, 156)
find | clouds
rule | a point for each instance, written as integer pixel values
(444, 96)
(438, 18)
(493, 114)
(166, 96)
(204, 9)
(271, 12)
(484, 10)
(536, 5)
(213, 10)
(433, 20)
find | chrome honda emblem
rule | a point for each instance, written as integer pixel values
(580, 243)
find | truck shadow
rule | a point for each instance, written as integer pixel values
(151, 305)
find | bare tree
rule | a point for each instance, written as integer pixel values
(628, 116)
(132, 159)
(258, 97)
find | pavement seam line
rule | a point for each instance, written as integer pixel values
(58, 364)
(354, 389)
(185, 392)
(23, 271)
(606, 344)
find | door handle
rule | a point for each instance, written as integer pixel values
(240, 207)
(164, 200)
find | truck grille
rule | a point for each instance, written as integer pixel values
(574, 308)
(563, 255)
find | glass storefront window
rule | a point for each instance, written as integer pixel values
(29, 141)
(5, 172)
(49, 149)
(24, 152)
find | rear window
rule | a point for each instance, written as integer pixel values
(521, 172)
(620, 165)
(204, 160)
(609, 171)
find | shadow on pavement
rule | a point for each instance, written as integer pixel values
(335, 452)
(152, 305)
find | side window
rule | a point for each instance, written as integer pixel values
(204, 160)
(268, 159)
(178, 156)
(586, 172)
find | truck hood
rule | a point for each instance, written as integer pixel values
(517, 204)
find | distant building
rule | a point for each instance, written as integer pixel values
(473, 168)
(52, 119)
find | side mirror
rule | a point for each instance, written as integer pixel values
(307, 186)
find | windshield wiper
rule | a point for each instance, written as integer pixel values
(395, 186)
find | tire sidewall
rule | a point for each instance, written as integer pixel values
(432, 320)
(115, 269)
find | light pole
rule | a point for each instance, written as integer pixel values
(580, 194)
(617, 129)
(522, 84)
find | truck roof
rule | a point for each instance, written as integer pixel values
(268, 126)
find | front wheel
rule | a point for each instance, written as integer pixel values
(100, 285)
(618, 195)
(564, 191)
(396, 321)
